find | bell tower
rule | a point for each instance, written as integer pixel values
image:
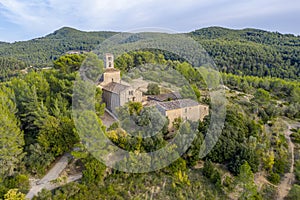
(111, 74)
(109, 61)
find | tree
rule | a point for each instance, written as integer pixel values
(94, 171)
(262, 96)
(153, 89)
(69, 63)
(57, 135)
(295, 95)
(92, 67)
(12, 138)
(13, 194)
(294, 193)
(246, 182)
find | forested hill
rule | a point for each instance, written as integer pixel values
(254, 35)
(42, 51)
(242, 52)
(252, 52)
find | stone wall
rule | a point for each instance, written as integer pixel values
(193, 113)
(111, 100)
(113, 76)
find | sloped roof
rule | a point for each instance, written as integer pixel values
(176, 104)
(115, 87)
(165, 97)
(111, 70)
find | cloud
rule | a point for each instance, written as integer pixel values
(43, 16)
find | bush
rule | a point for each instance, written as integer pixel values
(153, 89)
(274, 178)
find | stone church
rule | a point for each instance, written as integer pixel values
(116, 92)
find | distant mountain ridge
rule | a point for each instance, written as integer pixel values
(41, 51)
(243, 52)
(249, 34)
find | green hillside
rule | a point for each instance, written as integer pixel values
(252, 52)
(242, 52)
(42, 51)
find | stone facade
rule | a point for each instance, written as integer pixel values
(185, 109)
(111, 75)
(115, 92)
(116, 95)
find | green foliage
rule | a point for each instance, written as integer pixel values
(94, 171)
(42, 110)
(251, 52)
(41, 52)
(294, 193)
(297, 171)
(19, 181)
(135, 108)
(43, 101)
(13, 194)
(128, 61)
(246, 182)
(296, 136)
(57, 135)
(37, 159)
(12, 138)
(69, 63)
(274, 178)
(153, 89)
(262, 96)
(241, 52)
(10, 67)
(210, 172)
(232, 145)
(266, 90)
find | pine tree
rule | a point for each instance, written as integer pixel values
(11, 137)
(246, 180)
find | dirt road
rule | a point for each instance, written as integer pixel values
(53, 174)
(287, 182)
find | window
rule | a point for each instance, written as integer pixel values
(131, 92)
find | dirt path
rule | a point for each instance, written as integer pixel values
(53, 174)
(287, 182)
(260, 180)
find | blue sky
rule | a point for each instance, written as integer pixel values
(27, 19)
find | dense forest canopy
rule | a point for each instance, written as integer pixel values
(42, 51)
(242, 52)
(260, 72)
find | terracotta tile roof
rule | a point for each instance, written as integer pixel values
(176, 104)
(115, 87)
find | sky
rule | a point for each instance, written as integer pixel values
(28, 19)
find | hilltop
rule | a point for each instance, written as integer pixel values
(242, 52)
